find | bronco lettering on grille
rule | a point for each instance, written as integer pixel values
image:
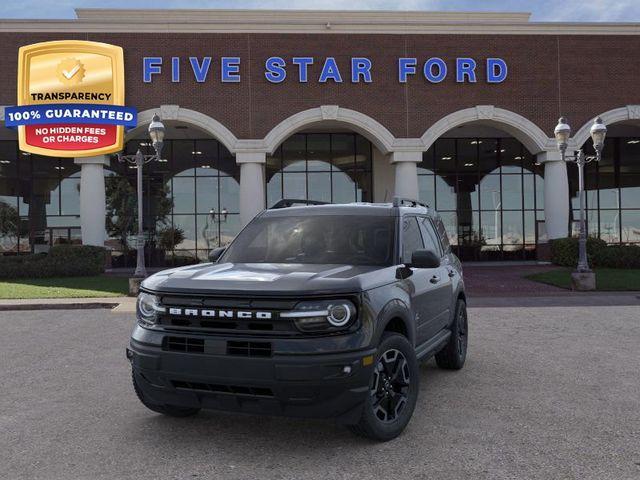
(240, 314)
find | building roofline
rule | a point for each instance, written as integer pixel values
(279, 16)
(310, 21)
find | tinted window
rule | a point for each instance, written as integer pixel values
(411, 238)
(429, 236)
(317, 239)
(442, 233)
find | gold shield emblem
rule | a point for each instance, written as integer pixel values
(71, 72)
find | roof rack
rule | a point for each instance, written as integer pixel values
(293, 202)
(410, 202)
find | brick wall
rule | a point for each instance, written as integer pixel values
(578, 76)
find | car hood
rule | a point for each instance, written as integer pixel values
(269, 279)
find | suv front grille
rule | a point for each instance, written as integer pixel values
(249, 349)
(184, 344)
(253, 325)
(216, 388)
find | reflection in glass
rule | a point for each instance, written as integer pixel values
(630, 226)
(445, 195)
(512, 192)
(328, 167)
(610, 226)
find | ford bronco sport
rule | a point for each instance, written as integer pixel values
(313, 310)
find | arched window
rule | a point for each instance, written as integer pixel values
(329, 167)
(489, 194)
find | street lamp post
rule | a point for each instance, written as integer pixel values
(562, 133)
(156, 133)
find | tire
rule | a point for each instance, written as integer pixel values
(393, 390)
(169, 410)
(454, 354)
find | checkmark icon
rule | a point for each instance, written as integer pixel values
(71, 73)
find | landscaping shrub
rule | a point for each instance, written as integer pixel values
(564, 252)
(61, 261)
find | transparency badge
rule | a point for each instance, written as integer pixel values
(70, 99)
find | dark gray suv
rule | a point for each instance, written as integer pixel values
(314, 310)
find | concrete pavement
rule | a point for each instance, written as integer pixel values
(546, 393)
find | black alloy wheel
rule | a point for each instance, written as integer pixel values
(454, 353)
(390, 386)
(393, 390)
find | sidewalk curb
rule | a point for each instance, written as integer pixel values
(57, 306)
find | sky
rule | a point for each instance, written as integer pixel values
(542, 10)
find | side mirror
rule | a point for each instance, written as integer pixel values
(216, 253)
(424, 259)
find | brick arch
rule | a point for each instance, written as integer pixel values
(527, 132)
(616, 115)
(192, 117)
(374, 131)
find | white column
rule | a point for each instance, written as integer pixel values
(556, 194)
(252, 193)
(93, 208)
(406, 172)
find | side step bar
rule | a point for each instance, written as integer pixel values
(431, 347)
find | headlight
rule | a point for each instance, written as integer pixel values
(147, 308)
(323, 315)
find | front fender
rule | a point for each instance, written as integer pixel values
(390, 302)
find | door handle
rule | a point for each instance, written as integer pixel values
(435, 279)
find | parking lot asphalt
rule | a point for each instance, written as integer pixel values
(548, 393)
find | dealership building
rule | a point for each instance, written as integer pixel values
(455, 109)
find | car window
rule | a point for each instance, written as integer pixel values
(315, 239)
(442, 233)
(411, 238)
(429, 236)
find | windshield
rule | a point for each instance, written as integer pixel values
(344, 239)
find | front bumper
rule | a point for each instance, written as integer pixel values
(327, 385)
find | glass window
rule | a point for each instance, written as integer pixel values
(70, 196)
(182, 161)
(343, 188)
(320, 186)
(343, 151)
(318, 151)
(426, 189)
(609, 226)
(183, 190)
(8, 159)
(487, 155)
(467, 154)
(490, 197)
(630, 190)
(631, 226)
(445, 194)
(328, 167)
(429, 236)
(512, 192)
(445, 156)
(315, 239)
(426, 165)
(294, 153)
(411, 238)
(206, 195)
(442, 234)
(629, 155)
(511, 155)
(229, 194)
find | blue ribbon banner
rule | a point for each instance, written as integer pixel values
(70, 113)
